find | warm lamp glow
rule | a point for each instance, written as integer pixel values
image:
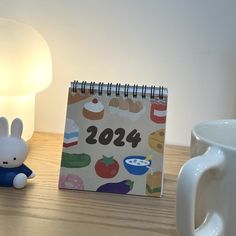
(25, 69)
(22, 107)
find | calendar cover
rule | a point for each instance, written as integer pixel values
(114, 139)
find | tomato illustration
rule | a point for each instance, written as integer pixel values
(107, 167)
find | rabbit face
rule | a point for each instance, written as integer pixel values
(13, 149)
(13, 152)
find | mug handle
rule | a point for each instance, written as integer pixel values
(188, 181)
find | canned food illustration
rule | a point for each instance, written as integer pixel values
(158, 111)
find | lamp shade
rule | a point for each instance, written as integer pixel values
(25, 69)
(25, 59)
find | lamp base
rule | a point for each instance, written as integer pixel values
(22, 107)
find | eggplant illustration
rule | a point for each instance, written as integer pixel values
(122, 187)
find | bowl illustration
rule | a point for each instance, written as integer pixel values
(137, 165)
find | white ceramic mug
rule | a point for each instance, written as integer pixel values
(206, 190)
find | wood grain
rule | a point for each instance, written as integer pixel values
(42, 209)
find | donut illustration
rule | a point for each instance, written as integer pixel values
(71, 181)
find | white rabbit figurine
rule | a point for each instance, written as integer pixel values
(13, 152)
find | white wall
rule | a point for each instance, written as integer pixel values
(189, 46)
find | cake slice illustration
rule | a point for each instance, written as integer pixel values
(93, 110)
(71, 135)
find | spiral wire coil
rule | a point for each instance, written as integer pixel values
(101, 88)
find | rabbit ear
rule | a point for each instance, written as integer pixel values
(3, 127)
(16, 128)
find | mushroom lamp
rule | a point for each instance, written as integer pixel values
(25, 69)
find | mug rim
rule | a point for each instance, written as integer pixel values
(209, 141)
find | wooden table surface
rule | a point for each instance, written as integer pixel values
(42, 209)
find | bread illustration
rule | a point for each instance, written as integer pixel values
(114, 102)
(130, 101)
(123, 105)
(126, 104)
(153, 184)
(135, 107)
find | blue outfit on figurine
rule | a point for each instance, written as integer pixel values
(7, 175)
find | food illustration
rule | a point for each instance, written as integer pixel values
(136, 107)
(71, 181)
(107, 167)
(156, 140)
(75, 160)
(71, 135)
(158, 111)
(110, 134)
(153, 184)
(122, 187)
(137, 165)
(74, 97)
(126, 108)
(93, 110)
(114, 102)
